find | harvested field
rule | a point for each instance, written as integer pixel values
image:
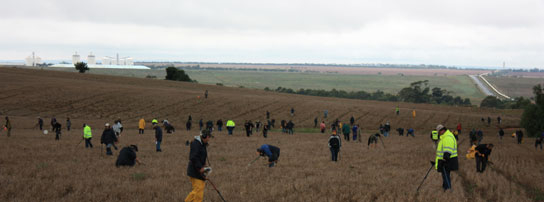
(515, 87)
(35, 167)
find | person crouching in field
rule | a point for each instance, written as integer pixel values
(334, 145)
(108, 138)
(482, 156)
(127, 156)
(197, 165)
(272, 152)
(373, 139)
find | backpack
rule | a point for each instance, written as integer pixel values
(334, 142)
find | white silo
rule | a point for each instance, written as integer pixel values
(75, 58)
(106, 60)
(91, 59)
(129, 61)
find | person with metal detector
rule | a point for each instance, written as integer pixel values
(197, 168)
(108, 138)
(373, 139)
(482, 156)
(446, 155)
(272, 152)
(334, 145)
(87, 135)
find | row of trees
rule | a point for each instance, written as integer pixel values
(533, 115)
(418, 92)
(494, 102)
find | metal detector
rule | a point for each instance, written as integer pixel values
(218, 192)
(249, 164)
(79, 143)
(428, 171)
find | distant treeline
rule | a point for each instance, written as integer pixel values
(417, 92)
(368, 65)
(198, 67)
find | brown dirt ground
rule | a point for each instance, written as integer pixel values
(34, 167)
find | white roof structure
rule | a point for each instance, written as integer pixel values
(104, 66)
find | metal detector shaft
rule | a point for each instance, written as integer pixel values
(218, 192)
(79, 142)
(253, 161)
(382, 142)
(428, 171)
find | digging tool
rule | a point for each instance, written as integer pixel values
(424, 178)
(249, 164)
(218, 192)
(79, 142)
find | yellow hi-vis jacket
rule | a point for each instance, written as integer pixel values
(154, 121)
(230, 123)
(447, 144)
(87, 132)
(141, 124)
(434, 134)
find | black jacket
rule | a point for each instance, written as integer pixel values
(197, 158)
(127, 157)
(158, 134)
(108, 137)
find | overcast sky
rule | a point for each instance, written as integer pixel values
(446, 32)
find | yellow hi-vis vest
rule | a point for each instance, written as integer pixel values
(434, 135)
(87, 132)
(230, 123)
(447, 144)
(154, 121)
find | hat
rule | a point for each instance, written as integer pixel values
(107, 124)
(134, 147)
(439, 127)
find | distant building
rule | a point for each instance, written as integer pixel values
(91, 60)
(32, 60)
(75, 58)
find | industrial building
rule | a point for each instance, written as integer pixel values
(107, 62)
(32, 60)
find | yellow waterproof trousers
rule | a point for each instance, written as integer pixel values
(197, 194)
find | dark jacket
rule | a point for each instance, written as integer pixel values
(220, 123)
(197, 158)
(158, 134)
(290, 125)
(272, 152)
(108, 137)
(127, 157)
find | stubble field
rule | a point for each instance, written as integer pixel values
(35, 167)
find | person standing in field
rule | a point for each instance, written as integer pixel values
(386, 129)
(480, 136)
(322, 127)
(219, 125)
(446, 155)
(501, 133)
(315, 122)
(200, 124)
(325, 113)
(499, 120)
(434, 137)
(283, 126)
(267, 114)
(290, 127)
(272, 152)
(266, 128)
(230, 126)
(108, 138)
(197, 166)
(248, 128)
(206, 94)
(57, 128)
(141, 126)
(292, 111)
(539, 140)
(397, 110)
(7, 126)
(459, 128)
(346, 129)
(188, 125)
(355, 130)
(414, 113)
(53, 121)
(68, 124)
(40, 123)
(488, 121)
(519, 135)
(352, 120)
(482, 156)
(158, 137)
(87, 136)
(334, 145)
